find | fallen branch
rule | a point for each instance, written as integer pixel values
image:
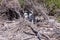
(38, 34)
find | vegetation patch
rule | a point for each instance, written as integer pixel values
(51, 2)
(21, 2)
(0, 1)
(52, 5)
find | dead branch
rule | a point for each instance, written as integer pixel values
(38, 34)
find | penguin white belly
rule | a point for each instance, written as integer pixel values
(25, 15)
